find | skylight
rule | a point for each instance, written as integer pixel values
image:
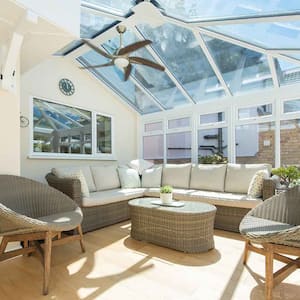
(193, 10)
(210, 51)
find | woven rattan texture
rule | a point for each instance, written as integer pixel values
(187, 232)
(284, 209)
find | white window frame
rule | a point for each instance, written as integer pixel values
(93, 156)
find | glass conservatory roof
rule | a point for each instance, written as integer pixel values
(209, 50)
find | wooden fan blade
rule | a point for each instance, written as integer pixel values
(146, 62)
(127, 72)
(134, 47)
(97, 49)
(98, 66)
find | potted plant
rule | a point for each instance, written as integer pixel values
(166, 194)
(213, 159)
(289, 176)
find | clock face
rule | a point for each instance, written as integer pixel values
(66, 86)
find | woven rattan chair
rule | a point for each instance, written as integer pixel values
(274, 226)
(38, 216)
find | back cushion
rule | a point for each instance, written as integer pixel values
(106, 177)
(178, 176)
(151, 178)
(129, 178)
(238, 176)
(208, 177)
(86, 171)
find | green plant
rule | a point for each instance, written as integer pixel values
(288, 175)
(213, 159)
(166, 189)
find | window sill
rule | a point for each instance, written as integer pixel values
(72, 157)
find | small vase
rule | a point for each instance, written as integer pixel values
(166, 198)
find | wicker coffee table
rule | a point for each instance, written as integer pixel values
(188, 228)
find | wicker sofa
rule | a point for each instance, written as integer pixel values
(225, 186)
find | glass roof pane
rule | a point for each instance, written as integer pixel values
(200, 9)
(120, 7)
(91, 24)
(126, 89)
(156, 82)
(242, 69)
(277, 35)
(181, 53)
(287, 72)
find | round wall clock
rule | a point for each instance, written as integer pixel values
(66, 86)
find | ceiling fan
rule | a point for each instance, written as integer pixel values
(120, 57)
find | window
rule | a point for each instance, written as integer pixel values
(179, 147)
(291, 106)
(255, 143)
(104, 134)
(289, 142)
(255, 111)
(153, 126)
(212, 118)
(212, 141)
(179, 123)
(63, 129)
(153, 146)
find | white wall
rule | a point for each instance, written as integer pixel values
(65, 14)
(9, 133)
(42, 81)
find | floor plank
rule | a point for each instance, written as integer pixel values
(118, 267)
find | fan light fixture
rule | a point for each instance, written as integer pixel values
(121, 57)
(121, 62)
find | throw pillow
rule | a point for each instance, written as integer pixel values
(129, 178)
(151, 178)
(140, 165)
(77, 174)
(256, 183)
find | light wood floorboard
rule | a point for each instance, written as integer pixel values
(115, 266)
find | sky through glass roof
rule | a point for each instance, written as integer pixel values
(206, 61)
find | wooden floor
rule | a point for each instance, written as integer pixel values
(118, 267)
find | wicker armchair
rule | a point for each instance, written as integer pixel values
(38, 216)
(275, 226)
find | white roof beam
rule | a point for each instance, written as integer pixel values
(111, 13)
(101, 13)
(249, 20)
(212, 62)
(167, 71)
(273, 71)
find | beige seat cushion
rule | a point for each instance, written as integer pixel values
(216, 198)
(129, 178)
(62, 171)
(106, 177)
(178, 176)
(152, 177)
(208, 177)
(111, 196)
(238, 176)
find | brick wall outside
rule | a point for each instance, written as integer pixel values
(289, 144)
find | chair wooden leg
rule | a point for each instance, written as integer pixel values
(47, 261)
(246, 251)
(269, 272)
(81, 238)
(3, 244)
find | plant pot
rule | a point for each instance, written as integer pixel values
(166, 197)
